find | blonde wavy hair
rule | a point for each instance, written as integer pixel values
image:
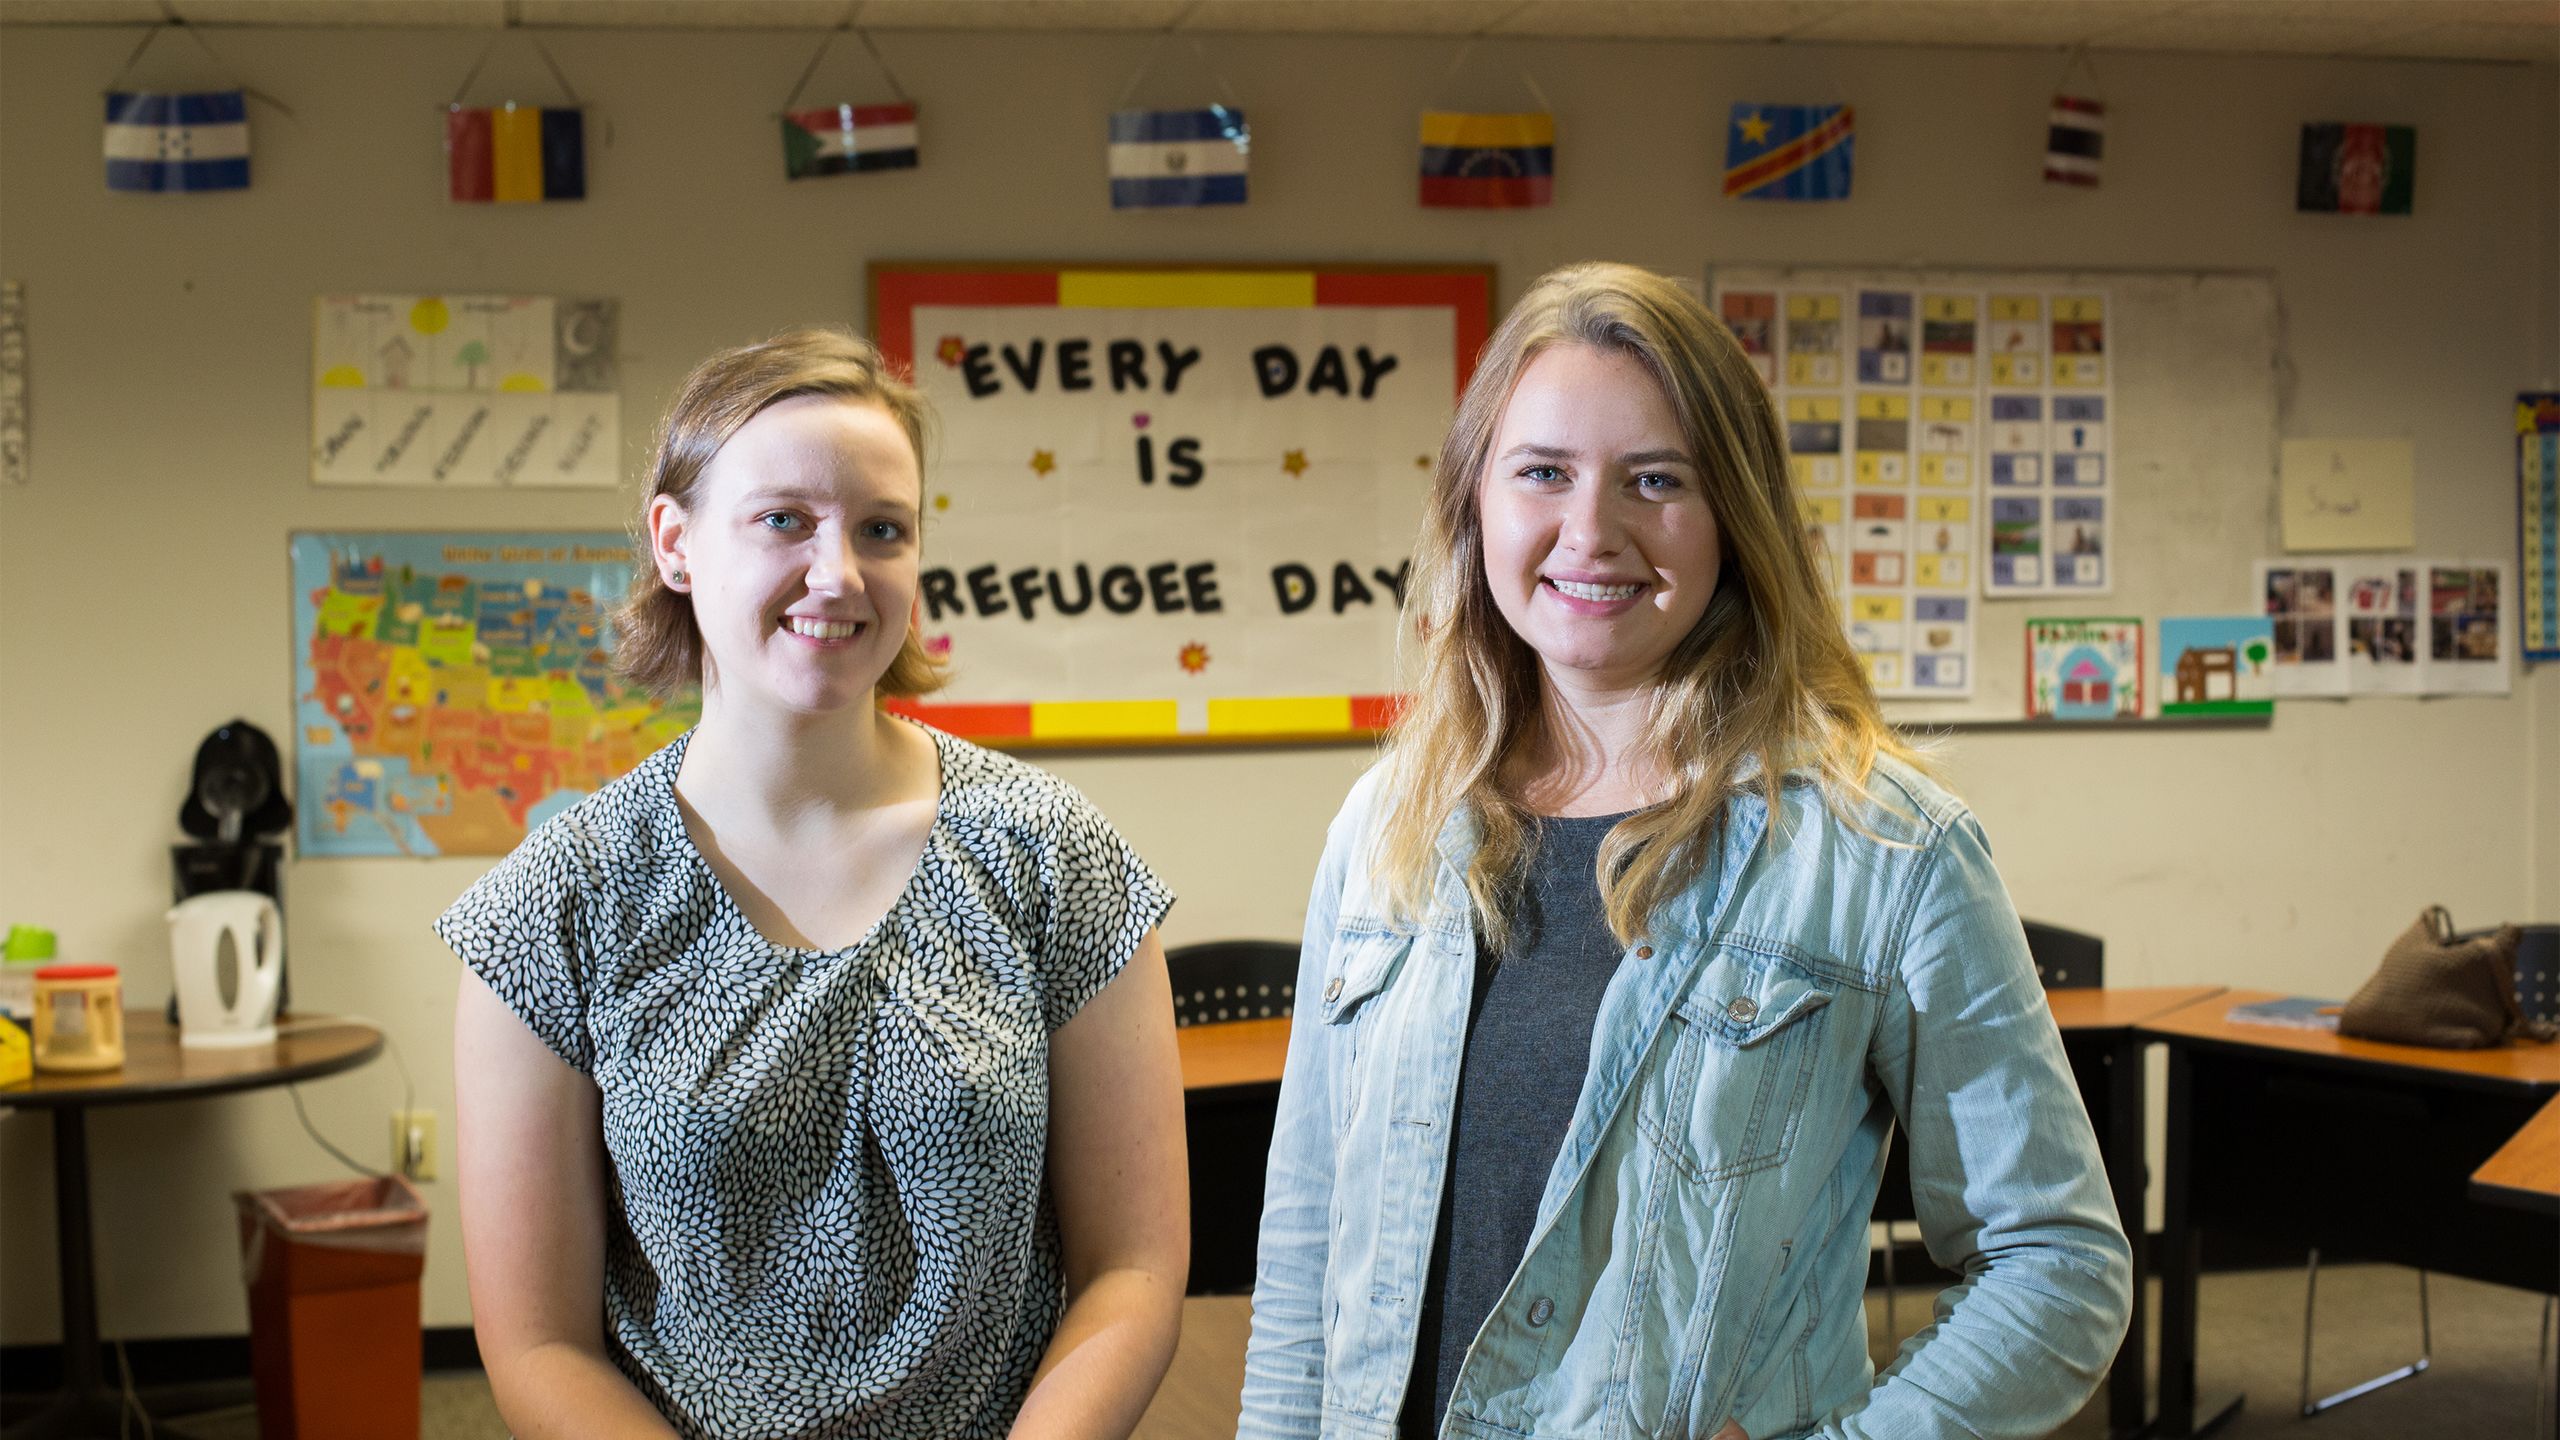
(1766, 674)
(656, 643)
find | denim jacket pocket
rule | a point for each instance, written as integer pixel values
(1361, 963)
(1726, 1091)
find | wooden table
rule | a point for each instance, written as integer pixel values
(155, 1067)
(1232, 1054)
(2307, 1138)
(2526, 1170)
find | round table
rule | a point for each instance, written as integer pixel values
(155, 1067)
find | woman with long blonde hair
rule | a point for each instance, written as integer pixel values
(1623, 964)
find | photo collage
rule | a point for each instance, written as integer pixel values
(2371, 625)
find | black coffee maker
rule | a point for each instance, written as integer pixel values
(234, 804)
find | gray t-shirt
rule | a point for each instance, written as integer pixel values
(1528, 1048)
(830, 1218)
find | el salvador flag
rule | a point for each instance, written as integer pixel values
(178, 142)
(1178, 157)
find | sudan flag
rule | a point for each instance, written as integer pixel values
(2358, 169)
(516, 152)
(847, 139)
(1488, 162)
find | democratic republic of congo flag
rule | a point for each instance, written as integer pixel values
(1488, 162)
(1789, 152)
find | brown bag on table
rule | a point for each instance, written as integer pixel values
(2436, 989)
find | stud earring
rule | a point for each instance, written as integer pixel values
(682, 578)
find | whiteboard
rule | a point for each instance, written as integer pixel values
(2194, 360)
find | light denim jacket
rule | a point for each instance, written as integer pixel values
(1701, 1244)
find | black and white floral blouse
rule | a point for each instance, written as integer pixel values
(829, 1216)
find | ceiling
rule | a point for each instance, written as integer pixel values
(2497, 30)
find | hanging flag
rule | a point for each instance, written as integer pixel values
(508, 153)
(1488, 162)
(844, 139)
(2358, 169)
(2075, 142)
(196, 141)
(1178, 157)
(1789, 152)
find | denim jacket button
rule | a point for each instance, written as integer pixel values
(1742, 1010)
(1332, 989)
(1539, 1310)
(1644, 952)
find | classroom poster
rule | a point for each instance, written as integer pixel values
(1175, 504)
(2369, 625)
(2538, 521)
(2216, 665)
(2084, 669)
(465, 390)
(1946, 443)
(454, 690)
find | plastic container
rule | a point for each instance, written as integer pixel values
(79, 1018)
(27, 950)
(334, 1341)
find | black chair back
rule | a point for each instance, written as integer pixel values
(1233, 980)
(2538, 972)
(2066, 959)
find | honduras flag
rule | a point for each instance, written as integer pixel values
(1178, 157)
(1789, 152)
(177, 142)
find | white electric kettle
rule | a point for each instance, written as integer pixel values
(226, 948)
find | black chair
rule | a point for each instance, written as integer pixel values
(2538, 996)
(1229, 1130)
(2065, 960)
(1232, 980)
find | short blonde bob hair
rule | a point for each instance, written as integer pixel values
(657, 643)
(1766, 679)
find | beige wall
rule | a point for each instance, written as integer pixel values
(142, 574)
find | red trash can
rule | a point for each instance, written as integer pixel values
(334, 1343)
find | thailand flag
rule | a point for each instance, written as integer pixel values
(1178, 157)
(847, 138)
(178, 142)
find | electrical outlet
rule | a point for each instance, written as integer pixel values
(413, 1143)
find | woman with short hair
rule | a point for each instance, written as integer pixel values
(815, 1078)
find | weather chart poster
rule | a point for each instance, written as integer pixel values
(1175, 504)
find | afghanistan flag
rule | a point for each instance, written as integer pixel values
(1178, 157)
(510, 152)
(1789, 152)
(2357, 169)
(1488, 162)
(178, 142)
(846, 138)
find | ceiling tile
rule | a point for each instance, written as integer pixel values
(1020, 14)
(1665, 19)
(1348, 17)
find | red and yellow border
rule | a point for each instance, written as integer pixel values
(899, 288)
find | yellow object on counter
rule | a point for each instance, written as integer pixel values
(79, 1018)
(17, 1052)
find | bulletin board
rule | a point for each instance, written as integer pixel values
(1175, 504)
(2184, 445)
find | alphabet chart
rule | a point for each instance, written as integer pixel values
(1175, 505)
(1947, 443)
